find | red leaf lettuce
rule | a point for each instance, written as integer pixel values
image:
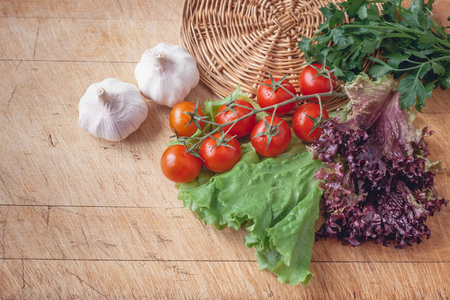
(378, 181)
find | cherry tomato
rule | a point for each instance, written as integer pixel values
(265, 97)
(178, 119)
(309, 85)
(279, 142)
(302, 125)
(221, 158)
(179, 166)
(241, 128)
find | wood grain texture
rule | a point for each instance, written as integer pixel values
(49, 146)
(18, 38)
(80, 279)
(93, 9)
(84, 218)
(106, 233)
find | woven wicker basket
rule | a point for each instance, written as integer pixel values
(238, 42)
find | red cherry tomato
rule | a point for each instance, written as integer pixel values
(178, 119)
(221, 158)
(241, 128)
(279, 142)
(310, 85)
(302, 125)
(265, 97)
(179, 166)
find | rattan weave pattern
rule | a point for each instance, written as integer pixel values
(238, 42)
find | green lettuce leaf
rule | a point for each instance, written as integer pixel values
(277, 201)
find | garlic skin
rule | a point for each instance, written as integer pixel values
(166, 74)
(112, 109)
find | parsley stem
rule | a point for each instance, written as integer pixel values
(420, 65)
(381, 27)
(398, 29)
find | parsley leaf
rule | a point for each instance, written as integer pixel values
(438, 69)
(411, 89)
(413, 46)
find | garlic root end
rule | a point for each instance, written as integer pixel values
(102, 96)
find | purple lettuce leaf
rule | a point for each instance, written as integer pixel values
(378, 182)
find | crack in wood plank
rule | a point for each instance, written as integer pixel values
(121, 18)
(35, 42)
(85, 237)
(12, 96)
(61, 206)
(157, 260)
(68, 61)
(150, 259)
(50, 139)
(178, 269)
(4, 240)
(23, 275)
(47, 220)
(107, 245)
(161, 239)
(140, 234)
(86, 283)
(153, 257)
(18, 65)
(4, 222)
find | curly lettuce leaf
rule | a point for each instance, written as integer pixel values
(276, 198)
(375, 108)
(379, 183)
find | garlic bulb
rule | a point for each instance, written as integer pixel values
(166, 74)
(112, 109)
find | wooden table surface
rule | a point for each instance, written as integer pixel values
(81, 217)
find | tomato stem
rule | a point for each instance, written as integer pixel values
(275, 85)
(317, 122)
(270, 129)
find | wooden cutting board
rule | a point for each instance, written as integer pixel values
(84, 218)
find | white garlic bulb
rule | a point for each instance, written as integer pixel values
(112, 109)
(166, 74)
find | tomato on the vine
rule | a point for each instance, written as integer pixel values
(220, 158)
(310, 85)
(279, 136)
(244, 126)
(179, 120)
(270, 93)
(179, 166)
(302, 124)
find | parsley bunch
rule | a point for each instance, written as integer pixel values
(411, 42)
